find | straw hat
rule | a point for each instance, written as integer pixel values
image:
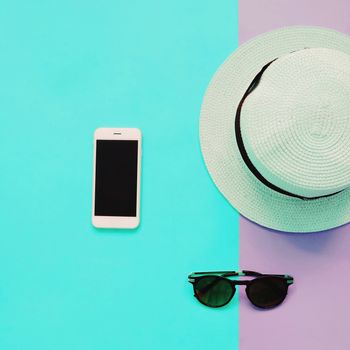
(275, 129)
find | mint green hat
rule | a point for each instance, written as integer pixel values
(275, 129)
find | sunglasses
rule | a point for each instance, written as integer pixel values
(215, 289)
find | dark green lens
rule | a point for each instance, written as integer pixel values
(214, 291)
(267, 292)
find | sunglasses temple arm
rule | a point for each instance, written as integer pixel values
(289, 279)
(252, 273)
(256, 274)
(221, 273)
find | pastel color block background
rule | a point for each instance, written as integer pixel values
(68, 67)
(316, 312)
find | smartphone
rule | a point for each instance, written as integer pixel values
(116, 178)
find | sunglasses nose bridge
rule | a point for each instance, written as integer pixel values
(240, 283)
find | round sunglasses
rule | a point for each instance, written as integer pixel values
(215, 289)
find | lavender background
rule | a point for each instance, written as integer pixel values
(316, 312)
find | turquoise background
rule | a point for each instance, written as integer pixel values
(68, 67)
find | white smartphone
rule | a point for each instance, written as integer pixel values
(116, 178)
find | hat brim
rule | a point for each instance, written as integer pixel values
(247, 194)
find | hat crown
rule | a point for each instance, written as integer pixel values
(295, 125)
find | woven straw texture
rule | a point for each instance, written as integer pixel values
(295, 126)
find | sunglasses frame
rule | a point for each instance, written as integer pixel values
(194, 277)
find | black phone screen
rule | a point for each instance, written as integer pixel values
(116, 178)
